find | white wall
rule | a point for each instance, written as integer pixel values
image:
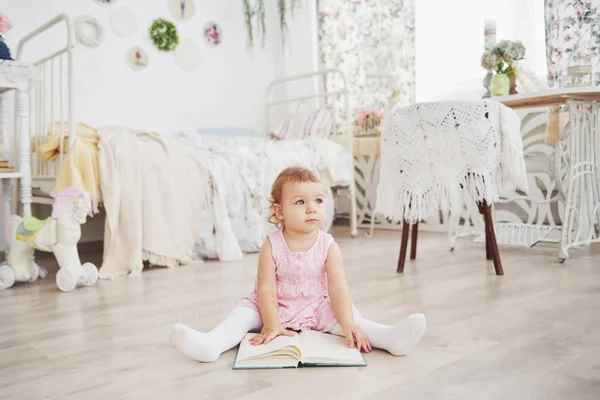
(227, 89)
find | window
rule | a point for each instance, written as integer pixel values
(449, 43)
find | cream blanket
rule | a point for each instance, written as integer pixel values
(241, 172)
(153, 191)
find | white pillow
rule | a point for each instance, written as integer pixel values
(318, 124)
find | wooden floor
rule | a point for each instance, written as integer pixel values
(531, 334)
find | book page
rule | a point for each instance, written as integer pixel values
(281, 345)
(325, 348)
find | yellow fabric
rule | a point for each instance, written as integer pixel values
(80, 168)
(49, 149)
(80, 164)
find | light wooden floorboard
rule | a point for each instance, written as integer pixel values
(531, 334)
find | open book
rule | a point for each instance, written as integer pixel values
(306, 349)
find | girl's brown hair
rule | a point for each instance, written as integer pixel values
(288, 175)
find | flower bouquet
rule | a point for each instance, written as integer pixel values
(502, 59)
(368, 121)
(5, 26)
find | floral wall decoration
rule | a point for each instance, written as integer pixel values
(366, 37)
(137, 58)
(213, 33)
(89, 31)
(254, 17)
(5, 26)
(164, 34)
(572, 38)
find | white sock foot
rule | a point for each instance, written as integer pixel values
(406, 334)
(398, 339)
(193, 344)
(208, 347)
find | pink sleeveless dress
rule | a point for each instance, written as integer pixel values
(302, 291)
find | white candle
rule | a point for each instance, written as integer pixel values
(489, 33)
(490, 27)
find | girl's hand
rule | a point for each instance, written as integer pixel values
(354, 334)
(268, 333)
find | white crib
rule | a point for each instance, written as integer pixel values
(51, 99)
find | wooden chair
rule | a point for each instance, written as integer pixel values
(491, 246)
(433, 153)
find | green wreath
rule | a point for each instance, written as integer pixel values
(164, 35)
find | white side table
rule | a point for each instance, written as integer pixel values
(580, 162)
(15, 75)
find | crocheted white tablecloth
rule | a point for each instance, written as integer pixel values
(431, 151)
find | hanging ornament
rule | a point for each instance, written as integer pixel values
(182, 10)
(254, 16)
(164, 35)
(105, 2)
(254, 12)
(137, 58)
(187, 55)
(88, 31)
(123, 22)
(213, 33)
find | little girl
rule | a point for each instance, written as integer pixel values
(300, 285)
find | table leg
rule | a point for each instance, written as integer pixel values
(24, 151)
(4, 128)
(353, 213)
(582, 205)
(6, 197)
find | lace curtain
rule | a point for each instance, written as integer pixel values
(572, 36)
(368, 37)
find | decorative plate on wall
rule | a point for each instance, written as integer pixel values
(187, 55)
(213, 33)
(182, 10)
(105, 2)
(137, 58)
(123, 22)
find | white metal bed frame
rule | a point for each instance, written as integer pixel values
(342, 125)
(51, 102)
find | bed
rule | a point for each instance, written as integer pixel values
(143, 179)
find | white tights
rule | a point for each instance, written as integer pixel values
(397, 339)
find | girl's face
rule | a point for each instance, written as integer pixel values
(302, 206)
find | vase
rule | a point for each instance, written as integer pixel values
(512, 77)
(500, 85)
